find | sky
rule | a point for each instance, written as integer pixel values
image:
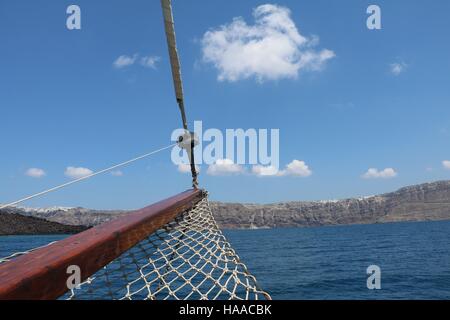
(360, 111)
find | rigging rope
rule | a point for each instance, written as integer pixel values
(169, 26)
(86, 177)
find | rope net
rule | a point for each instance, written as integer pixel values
(22, 253)
(188, 258)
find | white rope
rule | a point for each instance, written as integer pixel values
(85, 177)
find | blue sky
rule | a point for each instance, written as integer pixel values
(381, 102)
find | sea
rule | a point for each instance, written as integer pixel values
(411, 259)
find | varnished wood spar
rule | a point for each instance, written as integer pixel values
(42, 274)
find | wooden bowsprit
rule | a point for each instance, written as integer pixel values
(42, 274)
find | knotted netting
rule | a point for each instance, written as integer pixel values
(188, 258)
(21, 253)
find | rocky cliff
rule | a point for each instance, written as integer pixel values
(15, 224)
(68, 216)
(429, 201)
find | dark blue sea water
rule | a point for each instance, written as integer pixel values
(331, 262)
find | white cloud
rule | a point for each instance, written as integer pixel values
(271, 49)
(265, 171)
(150, 61)
(117, 173)
(35, 173)
(76, 173)
(125, 61)
(295, 168)
(397, 68)
(186, 168)
(374, 173)
(446, 164)
(224, 167)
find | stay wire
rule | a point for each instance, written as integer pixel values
(85, 177)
